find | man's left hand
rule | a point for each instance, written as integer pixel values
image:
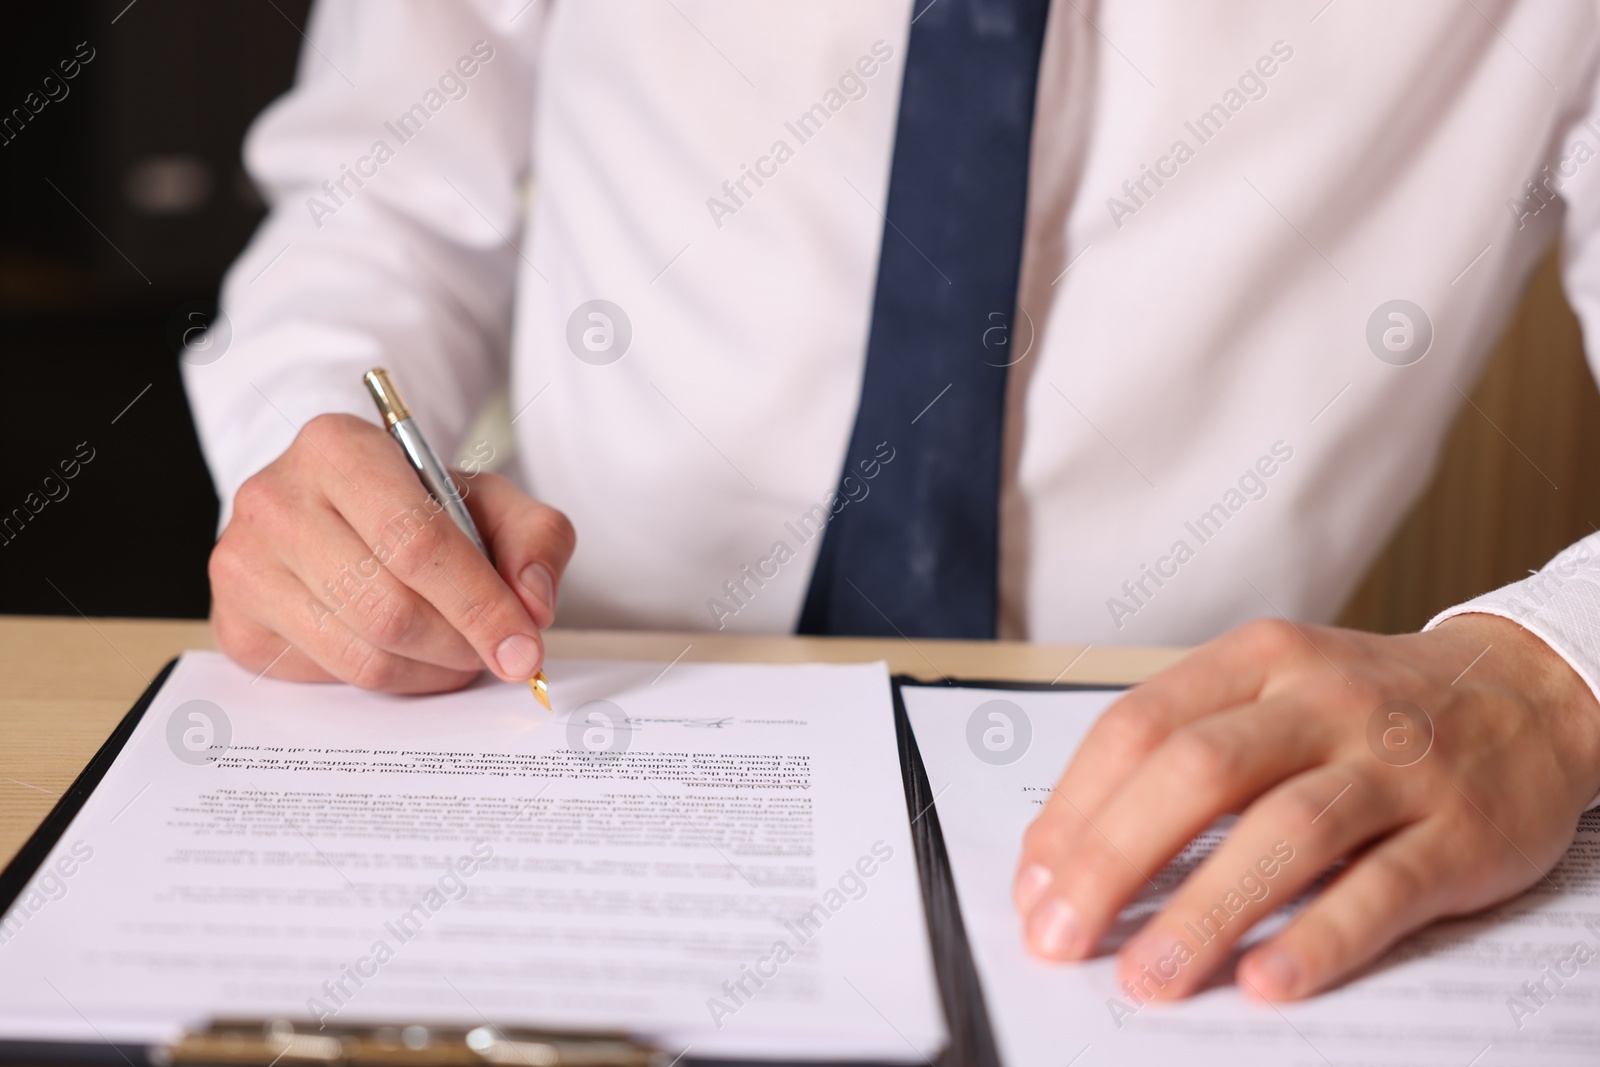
(1447, 768)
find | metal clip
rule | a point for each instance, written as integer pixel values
(254, 1043)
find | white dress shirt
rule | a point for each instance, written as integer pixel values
(1200, 428)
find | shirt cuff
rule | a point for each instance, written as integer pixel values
(1560, 605)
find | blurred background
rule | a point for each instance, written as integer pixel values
(124, 201)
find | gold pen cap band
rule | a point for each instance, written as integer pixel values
(387, 396)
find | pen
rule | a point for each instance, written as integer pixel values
(404, 429)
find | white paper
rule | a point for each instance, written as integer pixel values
(638, 870)
(1507, 987)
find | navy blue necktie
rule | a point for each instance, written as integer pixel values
(919, 555)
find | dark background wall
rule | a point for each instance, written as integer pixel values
(121, 203)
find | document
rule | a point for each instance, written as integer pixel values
(715, 857)
(1519, 985)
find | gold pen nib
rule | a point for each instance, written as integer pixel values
(541, 690)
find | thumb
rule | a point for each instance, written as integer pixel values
(530, 542)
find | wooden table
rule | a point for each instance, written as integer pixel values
(64, 683)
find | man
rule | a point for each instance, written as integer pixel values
(1124, 323)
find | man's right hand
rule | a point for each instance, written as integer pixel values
(338, 566)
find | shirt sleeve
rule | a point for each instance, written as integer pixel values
(1560, 603)
(394, 172)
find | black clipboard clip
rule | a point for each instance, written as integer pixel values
(258, 1043)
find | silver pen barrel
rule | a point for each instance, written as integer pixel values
(435, 478)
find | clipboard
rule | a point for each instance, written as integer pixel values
(972, 1041)
(283, 1043)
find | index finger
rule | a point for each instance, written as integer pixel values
(415, 540)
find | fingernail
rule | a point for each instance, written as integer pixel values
(518, 656)
(1274, 973)
(1054, 930)
(1032, 881)
(540, 584)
